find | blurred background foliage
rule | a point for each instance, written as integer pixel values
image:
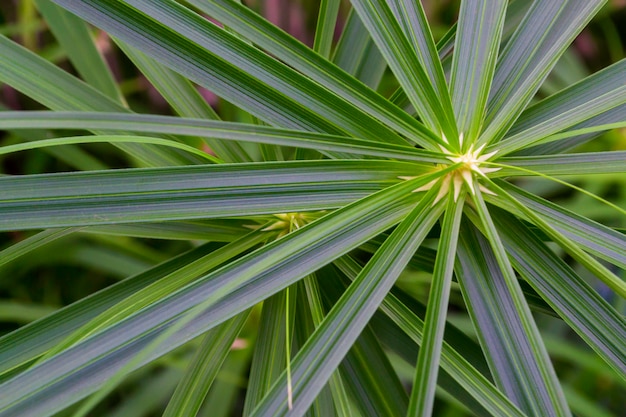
(80, 264)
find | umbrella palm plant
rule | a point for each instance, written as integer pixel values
(317, 204)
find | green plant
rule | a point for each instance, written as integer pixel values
(318, 204)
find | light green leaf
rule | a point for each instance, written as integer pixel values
(58, 90)
(426, 370)
(217, 130)
(591, 97)
(357, 54)
(325, 29)
(596, 238)
(455, 357)
(507, 333)
(568, 164)
(405, 64)
(76, 39)
(533, 50)
(270, 356)
(592, 317)
(315, 362)
(294, 53)
(285, 261)
(473, 64)
(182, 193)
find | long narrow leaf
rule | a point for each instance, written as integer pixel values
(327, 347)
(533, 50)
(507, 331)
(203, 368)
(300, 57)
(285, 261)
(139, 196)
(594, 319)
(403, 61)
(58, 90)
(476, 49)
(428, 359)
(75, 37)
(214, 129)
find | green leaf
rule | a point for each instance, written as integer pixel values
(587, 313)
(590, 97)
(75, 37)
(473, 63)
(294, 53)
(594, 237)
(184, 99)
(203, 368)
(24, 247)
(357, 54)
(270, 356)
(311, 313)
(507, 333)
(228, 66)
(285, 261)
(58, 90)
(325, 29)
(181, 193)
(599, 270)
(214, 129)
(568, 164)
(425, 380)
(323, 352)
(222, 230)
(455, 357)
(105, 139)
(411, 17)
(375, 387)
(527, 58)
(29, 342)
(405, 64)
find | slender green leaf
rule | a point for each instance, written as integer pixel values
(404, 62)
(182, 193)
(508, 334)
(594, 319)
(285, 261)
(222, 230)
(426, 370)
(599, 270)
(184, 99)
(568, 164)
(369, 375)
(215, 129)
(227, 65)
(357, 54)
(592, 96)
(323, 352)
(411, 17)
(23, 247)
(164, 287)
(612, 116)
(58, 90)
(533, 50)
(203, 368)
(76, 38)
(475, 52)
(29, 342)
(105, 139)
(325, 29)
(312, 310)
(455, 357)
(300, 57)
(270, 355)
